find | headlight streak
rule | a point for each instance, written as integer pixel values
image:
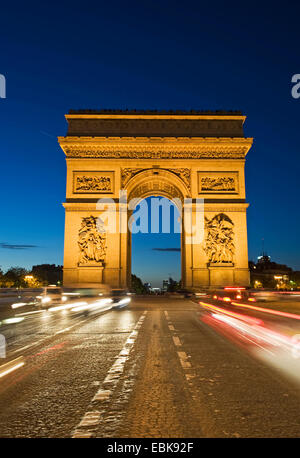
(21, 304)
(294, 316)
(259, 332)
(13, 320)
(46, 300)
(124, 301)
(18, 304)
(280, 350)
(11, 366)
(57, 308)
(99, 304)
(233, 314)
(31, 313)
(241, 327)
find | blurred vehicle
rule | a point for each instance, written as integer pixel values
(184, 292)
(85, 290)
(266, 295)
(120, 298)
(201, 294)
(233, 293)
(50, 295)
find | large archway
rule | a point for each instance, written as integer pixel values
(155, 245)
(156, 182)
(187, 156)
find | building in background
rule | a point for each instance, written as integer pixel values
(268, 274)
(165, 285)
(147, 287)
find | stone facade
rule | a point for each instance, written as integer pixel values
(175, 155)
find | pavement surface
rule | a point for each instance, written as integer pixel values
(160, 367)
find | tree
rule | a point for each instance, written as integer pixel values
(172, 285)
(137, 285)
(47, 274)
(1, 278)
(14, 277)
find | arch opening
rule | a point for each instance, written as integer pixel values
(155, 242)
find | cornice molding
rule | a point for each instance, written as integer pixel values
(155, 147)
(155, 116)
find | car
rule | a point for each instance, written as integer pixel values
(84, 292)
(50, 295)
(184, 292)
(201, 294)
(230, 294)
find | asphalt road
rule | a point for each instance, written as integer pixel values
(157, 368)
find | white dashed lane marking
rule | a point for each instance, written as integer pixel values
(90, 418)
(176, 341)
(102, 395)
(93, 417)
(184, 359)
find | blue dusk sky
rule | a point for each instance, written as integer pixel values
(146, 55)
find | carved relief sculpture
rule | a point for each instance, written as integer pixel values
(218, 184)
(183, 173)
(127, 174)
(219, 244)
(91, 242)
(91, 183)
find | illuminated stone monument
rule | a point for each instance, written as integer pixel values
(184, 155)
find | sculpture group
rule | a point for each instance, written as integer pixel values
(219, 239)
(91, 242)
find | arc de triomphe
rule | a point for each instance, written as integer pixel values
(188, 155)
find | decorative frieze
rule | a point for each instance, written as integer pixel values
(156, 153)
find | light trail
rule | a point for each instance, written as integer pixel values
(7, 368)
(270, 311)
(232, 314)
